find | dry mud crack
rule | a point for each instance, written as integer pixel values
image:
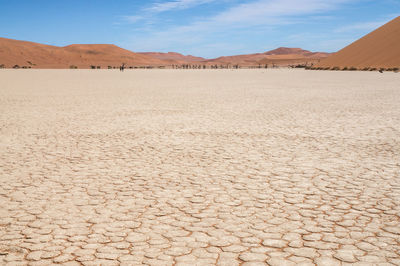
(244, 167)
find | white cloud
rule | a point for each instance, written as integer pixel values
(175, 5)
(261, 12)
(256, 12)
(239, 19)
(149, 13)
(132, 19)
(363, 26)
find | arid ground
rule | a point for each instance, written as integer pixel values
(199, 167)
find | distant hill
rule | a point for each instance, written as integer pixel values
(35, 55)
(174, 58)
(379, 49)
(282, 56)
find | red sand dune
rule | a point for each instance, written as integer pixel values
(379, 49)
(35, 55)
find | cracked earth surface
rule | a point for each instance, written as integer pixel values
(164, 167)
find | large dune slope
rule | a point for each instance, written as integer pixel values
(379, 49)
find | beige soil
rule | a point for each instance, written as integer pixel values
(227, 167)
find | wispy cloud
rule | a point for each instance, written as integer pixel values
(132, 19)
(236, 19)
(176, 5)
(363, 26)
(255, 12)
(261, 12)
(150, 13)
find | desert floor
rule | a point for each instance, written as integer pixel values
(199, 167)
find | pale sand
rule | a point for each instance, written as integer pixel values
(206, 166)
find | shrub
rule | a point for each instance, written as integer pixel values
(98, 67)
(394, 69)
(336, 68)
(345, 68)
(73, 67)
(365, 69)
(372, 69)
(93, 67)
(16, 66)
(352, 68)
(2, 66)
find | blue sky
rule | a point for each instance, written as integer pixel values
(207, 28)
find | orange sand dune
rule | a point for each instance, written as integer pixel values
(379, 49)
(35, 55)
